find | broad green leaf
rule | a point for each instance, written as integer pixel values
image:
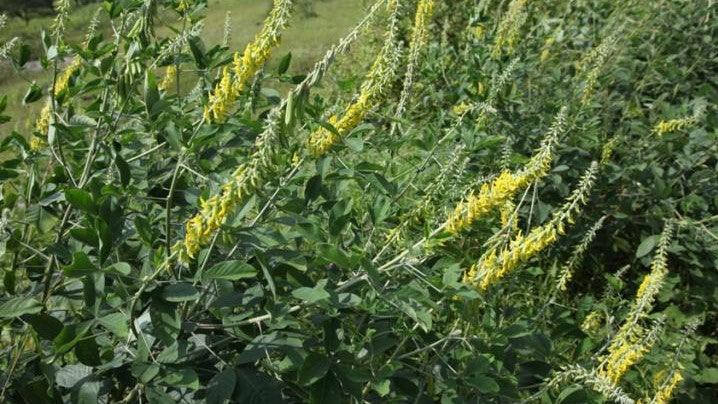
(284, 63)
(312, 295)
(486, 384)
(119, 268)
(80, 199)
(221, 387)
(19, 306)
(230, 270)
(34, 93)
(315, 366)
(647, 245)
(46, 326)
(180, 292)
(116, 323)
(81, 266)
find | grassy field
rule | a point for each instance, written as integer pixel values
(308, 38)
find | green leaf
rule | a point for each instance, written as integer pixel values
(116, 323)
(262, 344)
(230, 270)
(180, 292)
(81, 266)
(647, 245)
(257, 388)
(152, 94)
(383, 387)
(19, 306)
(33, 94)
(70, 375)
(7, 174)
(284, 63)
(221, 387)
(312, 295)
(119, 268)
(197, 48)
(46, 326)
(486, 384)
(181, 378)
(80, 199)
(334, 254)
(572, 394)
(315, 366)
(707, 376)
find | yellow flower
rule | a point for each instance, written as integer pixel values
(461, 108)
(479, 31)
(169, 80)
(215, 210)
(375, 83)
(494, 265)
(246, 64)
(668, 386)
(182, 6)
(37, 143)
(221, 99)
(673, 125)
(424, 11)
(507, 216)
(480, 88)
(630, 343)
(622, 358)
(507, 34)
(43, 121)
(63, 79)
(608, 149)
(592, 323)
(496, 193)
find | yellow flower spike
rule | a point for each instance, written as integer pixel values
(667, 386)
(247, 63)
(630, 343)
(63, 80)
(43, 121)
(493, 195)
(461, 108)
(170, 78)
(673, 125)
(507, 34)
(522, 248)
(372, 90)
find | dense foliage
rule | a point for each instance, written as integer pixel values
(499, 201)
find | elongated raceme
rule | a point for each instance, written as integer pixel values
(246, 180)
(630, 343)
(634, 348)
(251, 176)
(577, 256)
(508, 217)
(377, 80)
(673, 125)
(417, 42)
(169, 80)
(495, 264)
(497, 84)
(508, 32)
(61, 83)
(247, 64)
(591, 66)
(667, 382)
(593, 380)
(494, 194)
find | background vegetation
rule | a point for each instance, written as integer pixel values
(334, 201)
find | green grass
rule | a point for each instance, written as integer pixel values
(308, 37)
